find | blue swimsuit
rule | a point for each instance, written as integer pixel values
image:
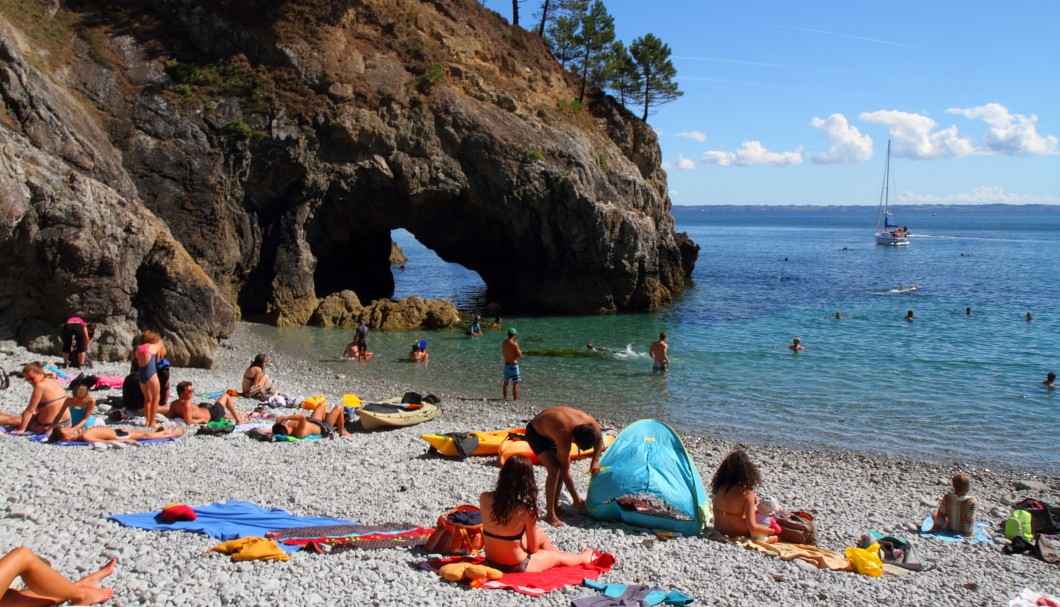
(148, 370)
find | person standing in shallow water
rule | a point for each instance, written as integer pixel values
(511, 353)
(658, 354)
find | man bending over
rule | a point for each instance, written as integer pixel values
(550, 435)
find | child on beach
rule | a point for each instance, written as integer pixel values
(767, 505)
(956, 511)
(81, 407)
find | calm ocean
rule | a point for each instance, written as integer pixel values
(944, 386)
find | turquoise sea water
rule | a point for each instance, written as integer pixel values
(944, 386)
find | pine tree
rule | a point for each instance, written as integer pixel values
(621, 73)
(654, 73)
(563, 26)
(593, 47)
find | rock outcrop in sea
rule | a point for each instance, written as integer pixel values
(177, 164)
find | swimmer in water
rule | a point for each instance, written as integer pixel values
(909, 316)
(796, 345)
(1050, 381)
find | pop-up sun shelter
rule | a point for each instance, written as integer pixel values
(648, 479)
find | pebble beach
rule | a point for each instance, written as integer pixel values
(55, 500)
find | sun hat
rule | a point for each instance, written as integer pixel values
(512, 331)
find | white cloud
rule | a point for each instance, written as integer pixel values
(685, 164)
(845, 142)
(751, 153)
(697, 135)
(1009, 134)
(914, 136)
(981, 195)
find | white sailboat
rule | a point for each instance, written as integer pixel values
(886, 232)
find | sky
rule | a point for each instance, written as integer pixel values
(793, 103)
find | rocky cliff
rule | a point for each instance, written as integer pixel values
(177, 163)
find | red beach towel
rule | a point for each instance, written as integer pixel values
(537, 584)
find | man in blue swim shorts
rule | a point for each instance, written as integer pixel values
(512, 353)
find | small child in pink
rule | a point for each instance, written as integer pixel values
(767, 505)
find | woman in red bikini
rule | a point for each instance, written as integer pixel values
(514, 543)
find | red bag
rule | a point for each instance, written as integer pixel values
(462, 536)
(797, 527)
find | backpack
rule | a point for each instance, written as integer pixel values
(1047, 547)
(901, 553)
(796, 527)
(1044, 519)
(258, 434)
(1018, 525)
(459, 531)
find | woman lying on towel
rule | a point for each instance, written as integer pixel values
(45, 403)
(514, 542)
(734, 498)
(323, 422)
(112, 436)
(45, 586)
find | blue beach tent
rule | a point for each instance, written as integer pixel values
(648, 479)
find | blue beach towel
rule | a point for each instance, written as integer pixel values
(230, 520)
(980, 533)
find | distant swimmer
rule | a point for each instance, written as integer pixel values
(968, 311)
(1050, 381)
(839, 316)
(590, 346)
(909, 316)
(657, 351)
(796, 345)
(1030, 317)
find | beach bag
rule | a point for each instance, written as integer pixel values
(412, 398)
(459, 531)
(1047, 547)
(866, 561)
(261, 435)
(796, 527)
(1043, 518)
(1018, 524)
(901, 553)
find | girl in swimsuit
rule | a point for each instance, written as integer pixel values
(44, 405)
(103, 434)
(147, 355)
(514, 543)
(255, 375)
(734, 500)
(81, 407)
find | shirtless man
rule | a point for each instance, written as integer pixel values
(796, 345)
(321, 421)
(203, 413)
(550, 435)
(45, 403)
(511, 353)
(112, 436)
(657, 351)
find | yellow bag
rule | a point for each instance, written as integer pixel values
(314, 401)
(866, 561)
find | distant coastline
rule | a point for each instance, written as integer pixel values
(910, 208)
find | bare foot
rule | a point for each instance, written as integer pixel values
(554, 521)
(587, 555)
(179, 431)
(91, 592)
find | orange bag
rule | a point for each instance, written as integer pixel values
(452, 537)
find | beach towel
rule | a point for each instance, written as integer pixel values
(537, 584)
(230, 520)
(43, 438)
(814, 555)
(980, 533)
(333, 539)
(622, 595)
(252, 549)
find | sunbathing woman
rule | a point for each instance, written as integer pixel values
(80, 406)
(45, 586)
(323, 422)
(45, 403)
(514, 542)
(103, 434)
(147, 355)
(256, 380)
(734, 499)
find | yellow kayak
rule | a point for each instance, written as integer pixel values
(511, 447)
(489, 442)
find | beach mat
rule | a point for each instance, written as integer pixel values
(229, 520)
(980, 533)
(539, 583)
(333, 539)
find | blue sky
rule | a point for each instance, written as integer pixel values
(793, 103)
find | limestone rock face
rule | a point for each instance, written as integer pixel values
(410, 313)
(174, 164)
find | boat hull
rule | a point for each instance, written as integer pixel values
(373, 420)
(887, 239)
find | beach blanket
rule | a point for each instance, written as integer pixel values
(230, 520)
(341, 538)
(43, 438)
(543, 582)
(980, 533)
(622, 595)
(814, 555)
